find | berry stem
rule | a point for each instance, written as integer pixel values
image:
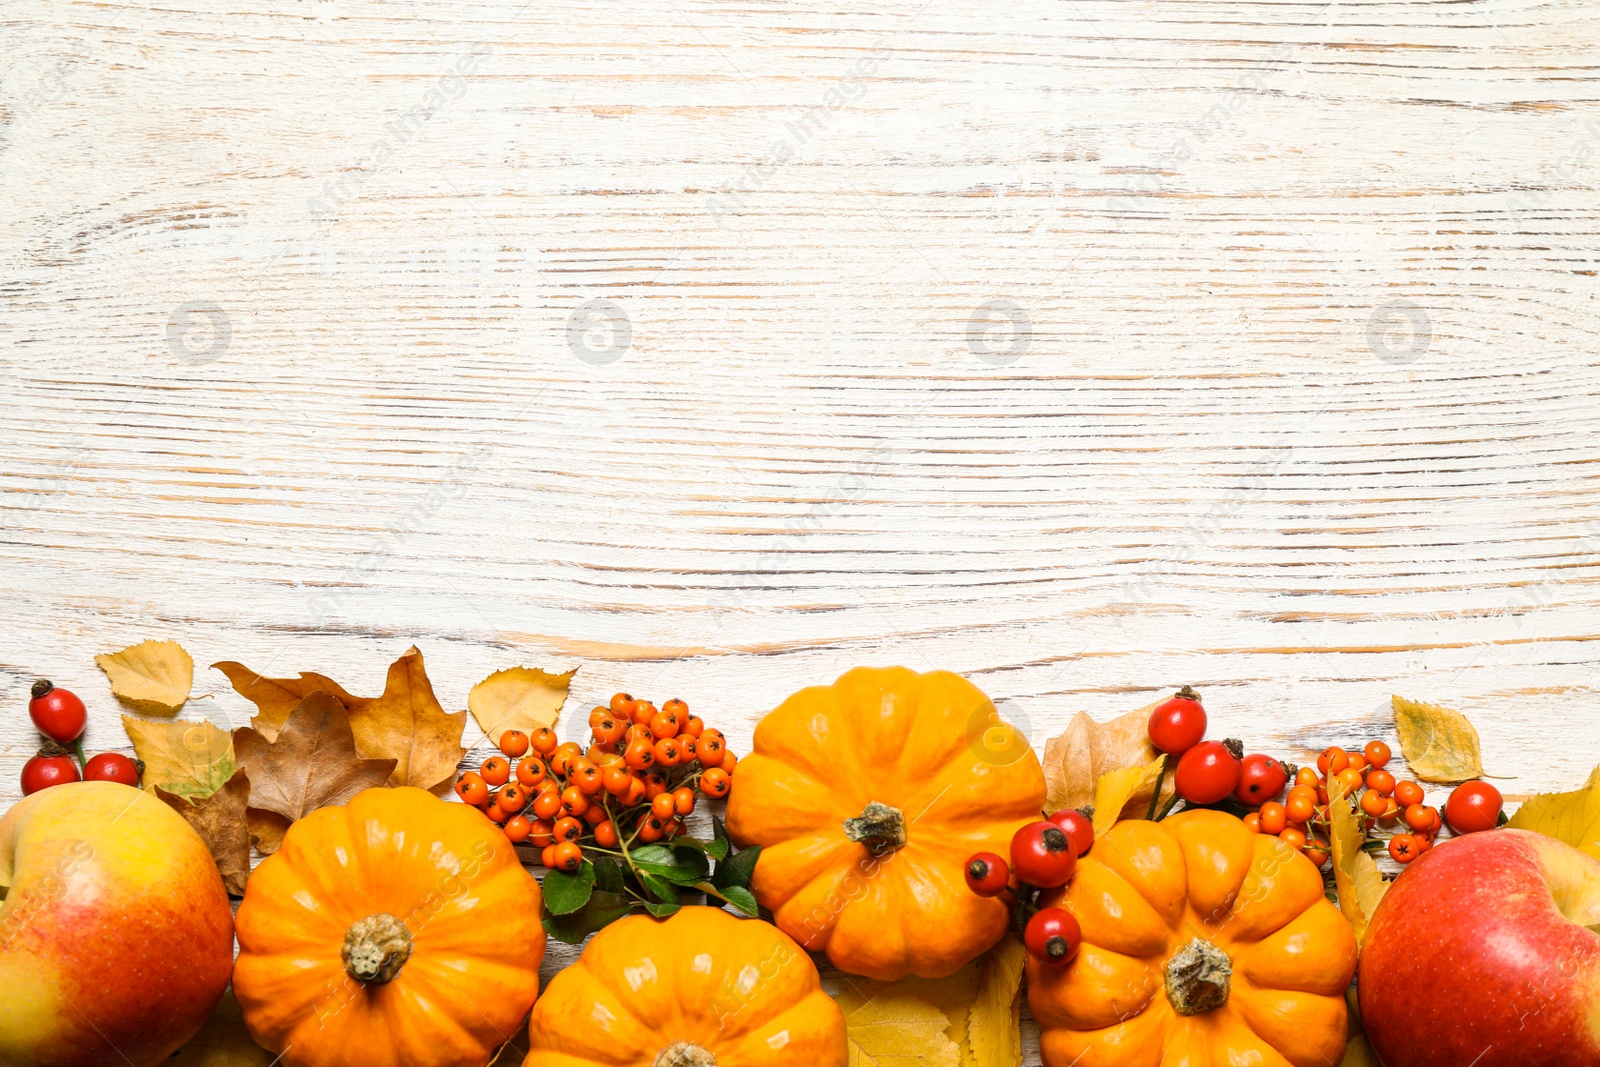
(77, 748)
(1155, 797)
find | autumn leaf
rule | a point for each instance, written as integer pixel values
(1075, 762)
(1440, 745)
(1355, 874)
(266, 829)
(518, 698)
(153, 676)
(1571, 817)
(312, 764)
(275, 698)
(1115, 791)
(223, 1041)
(889, 1026)
(994, 1035)
(219, 820)
(190, 759)
(407, 725)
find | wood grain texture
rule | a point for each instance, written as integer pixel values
(1087, 348)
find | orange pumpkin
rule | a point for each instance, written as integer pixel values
(1203, 943)
(399, 931)
(700, 989)
(867, 797)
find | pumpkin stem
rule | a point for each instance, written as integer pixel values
(881, 828)
(685, 1054)
(1198, 975)
(375, 948)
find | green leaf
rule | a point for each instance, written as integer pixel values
(603, 908)
(661, 911)
(743, 899)
(659, 888)
(717, 848)
(681, 865)
(607, 874)
(565, 893)
(737, 869)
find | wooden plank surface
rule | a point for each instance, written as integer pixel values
(1087, 348)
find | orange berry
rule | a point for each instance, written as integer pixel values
(605, 834)
(667, 752)
(1419, 816)
(636, 792)
(640, 754)
(1293, 838)
(650, 828)
(622, 705)
(511, 799)
(1403, 848)
(594, 815)
(1374, 803)
(728, 761)
(541, 832)
(710, 747)
(683, 800)
(638, 732)
(1382, 781)
(543, 740)
(1348, 780)
(561, 759)
(692, 725)
(1424, 842)
(1252, 822)
(687, 752)
(568, 856)
(1377, 754)
(547, 856)
(676, 707)
(608, 731)
(1307, 777)
(664, 724)
(1274, 818)
(573, 801)
(661, 807)
(513, 743)
(586, 776)
(715, 782)
(497, 813)
(1358, 762)
(615, 780)
(654, 785)
(495, 770)
(566, 829)
(643, 712)
(1318, 852)
(472, 789)
(547, 805)
(1407, 794)
(517, 827)
(1333, 760)
(531, 771)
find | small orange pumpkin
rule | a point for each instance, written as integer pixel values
(398, 931)
(867, 797)
(700, 989)
(1203, 943)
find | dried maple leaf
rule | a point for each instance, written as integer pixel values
(312, 764)
(1118, 791)
(407, 724)
(1075, 762)
(1571, 817)
(518, 698)
(190, 759)
(266, 829)
(889, 1026)
(275, 698)
(1440, 745)
(153, 676)
(994, 1035)
(219, 820)
(222, 1042)
(1355, 874)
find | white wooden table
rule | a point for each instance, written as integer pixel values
(1087, 347)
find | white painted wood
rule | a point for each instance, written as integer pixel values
(302, 365)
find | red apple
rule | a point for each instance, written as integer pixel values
(1480, 954)
(116, 938)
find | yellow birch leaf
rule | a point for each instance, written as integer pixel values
(1571, 817)
(222, 1041)
(1088, 750)
(1355, 874)
(153, 676)
(518, 698)
(890, 1026)
(1113, 791)
(1440, 745)
(190, 759)
(994, 1022)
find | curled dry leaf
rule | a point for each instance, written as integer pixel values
(223, 1041)
(1439, 745)
(219, 820)
(1119, 791)
(407, 724)
(1571, 817)
(1075, 762)
(518, 698)
(1356, 877)
(994, 1034)
(890, 1026)
(153, 676)
(275, 698)
(312, 764)
(189, 759)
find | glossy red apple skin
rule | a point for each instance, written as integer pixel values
(116, 938)
(1479, 956)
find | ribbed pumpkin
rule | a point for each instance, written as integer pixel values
(1203, 944)
(700, 989)
(398, 931)
(867, 797)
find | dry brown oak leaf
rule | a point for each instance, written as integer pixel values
(275, 698)
(220, 821)
(313, 763)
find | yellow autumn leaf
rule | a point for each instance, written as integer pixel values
(1440, 745)
(1113, 791)
(1355, 874)
(190, 759)
(222, 1041)
(890, 1026)
(994, 1026)
(153, 676)
(1571, 817)
(518, 698)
